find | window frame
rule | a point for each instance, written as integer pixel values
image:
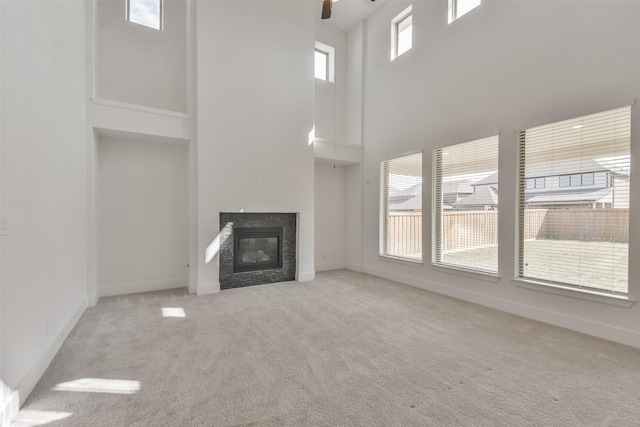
(160, 27)
(383, 248)
(437, 229)
(453, 10)
(572, 181)
(395, 32)
(330, 53)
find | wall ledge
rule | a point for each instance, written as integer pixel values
(140, 108)
(578, 324)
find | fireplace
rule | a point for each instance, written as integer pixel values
(257, 248)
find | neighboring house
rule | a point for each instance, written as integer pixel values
(572, 184)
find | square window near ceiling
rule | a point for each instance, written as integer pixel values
(145, 12)
(457, 8)
(401, 33)
(324, 62)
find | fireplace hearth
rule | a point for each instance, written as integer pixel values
(257, 248)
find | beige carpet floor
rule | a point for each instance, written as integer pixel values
(346, 349)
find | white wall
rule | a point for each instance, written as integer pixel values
(330, 216)
(330, 97)
(255, 112)
(43, 183)
(356, 48)
(353, 217)
(140, 65)
(502, 67)
(142, 211)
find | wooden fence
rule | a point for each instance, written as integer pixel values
(469, 229)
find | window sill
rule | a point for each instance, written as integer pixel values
(406, 261)
(568, 291)
(489, 277)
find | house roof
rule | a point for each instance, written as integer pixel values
(484, 196)
(491, 179)
(457, 187)
(414, 190)
(572, 167)
(586, 195)
(413, 204)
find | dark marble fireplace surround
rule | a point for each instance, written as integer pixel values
(230, 220)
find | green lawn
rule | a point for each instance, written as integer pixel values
(555, 260)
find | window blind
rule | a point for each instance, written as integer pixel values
(574, 230)
(401, 210)
(465, 207)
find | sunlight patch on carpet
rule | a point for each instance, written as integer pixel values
(173, 312)
(100, 385)
(32, 417)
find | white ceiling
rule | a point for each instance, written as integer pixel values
(345, 14)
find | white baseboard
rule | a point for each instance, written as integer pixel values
(132, 288)
(28, 383)
(330, 266)
(9, 405)
(92, 300)
(353, 267)
(208, 289)
(305, 277)
(578, 324)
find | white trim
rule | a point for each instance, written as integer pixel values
(578, 324)
(401, 260)
(330, 266)
(29, 381)
(569, 291)
(132, 288)
(467, 272)
(92, 300)
(10, 405)
(208, 289)
(306, 277)
(353, 267)
(141, 108)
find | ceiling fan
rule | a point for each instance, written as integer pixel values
(326, 8)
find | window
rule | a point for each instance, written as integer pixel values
(145, 12)
(324, 62)
(401, 33)
(401, 210)
(457, 8)
(575, 232)
(535, 183)
(576, 180)
(465, 206)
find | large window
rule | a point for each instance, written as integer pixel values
(401, 33)
(457, 8)
(401, 210)
(574, 233)
(145, 12)
(465, 206)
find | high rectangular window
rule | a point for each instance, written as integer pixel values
(401, 33)
(324, 62)
(145, 12)
(457, 8)
(401, 208)
(575, 232)
(465, 206)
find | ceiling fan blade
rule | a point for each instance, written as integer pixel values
(326, 9)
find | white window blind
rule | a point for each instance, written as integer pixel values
(575, 231)
(457, 8)
(401, 210)
(465, 206)
(321, 65)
